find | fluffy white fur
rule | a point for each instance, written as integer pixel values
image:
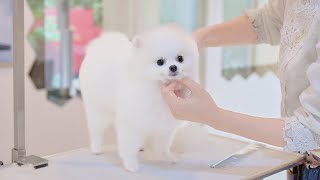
(120, 85)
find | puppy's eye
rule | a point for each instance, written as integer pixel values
(180, 59)
(160, 62)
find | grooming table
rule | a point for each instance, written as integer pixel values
(192, 164)
(80, 164)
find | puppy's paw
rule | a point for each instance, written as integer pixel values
(131, 164)
(171, 158)
(167, 157)
(96, 149)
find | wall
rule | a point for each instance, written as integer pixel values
(49, 128)
(134, 17)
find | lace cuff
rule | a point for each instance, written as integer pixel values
(298, 137)
(256, 20)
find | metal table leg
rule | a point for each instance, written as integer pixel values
(19, 151)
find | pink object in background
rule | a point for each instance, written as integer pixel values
(82, 26)
(84, 30)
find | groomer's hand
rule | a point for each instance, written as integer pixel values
(198, 107)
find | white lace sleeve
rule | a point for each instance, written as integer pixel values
(298, 137)
(267, 21)
(302, 131)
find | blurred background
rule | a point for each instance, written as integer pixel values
(6, 31)
(241, 78)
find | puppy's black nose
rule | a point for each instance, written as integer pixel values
(173, 68)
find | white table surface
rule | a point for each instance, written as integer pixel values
(193, 163)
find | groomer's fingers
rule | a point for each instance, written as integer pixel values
(191, 84)
(167, 88)
(168, 92)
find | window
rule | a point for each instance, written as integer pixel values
(245, 60)
(183, 12)
(59, 36)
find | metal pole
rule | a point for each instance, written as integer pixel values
(19, 151)
(18, 78)
(66, 48)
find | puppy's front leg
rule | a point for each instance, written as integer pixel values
(162, 144)
(130, 141)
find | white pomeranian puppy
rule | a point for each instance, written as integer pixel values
(120, 85)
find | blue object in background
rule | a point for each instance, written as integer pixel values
(182, 12)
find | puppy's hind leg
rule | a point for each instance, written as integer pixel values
(98, 121)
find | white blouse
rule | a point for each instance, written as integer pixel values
(295, 25)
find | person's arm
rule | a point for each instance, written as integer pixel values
(260, 25)
(265, 130)
(201, 108)
(233, 32)
(301, 130)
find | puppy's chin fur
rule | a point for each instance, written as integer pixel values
(170, 80)
(118, 90)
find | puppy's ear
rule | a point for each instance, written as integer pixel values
(137, 42)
